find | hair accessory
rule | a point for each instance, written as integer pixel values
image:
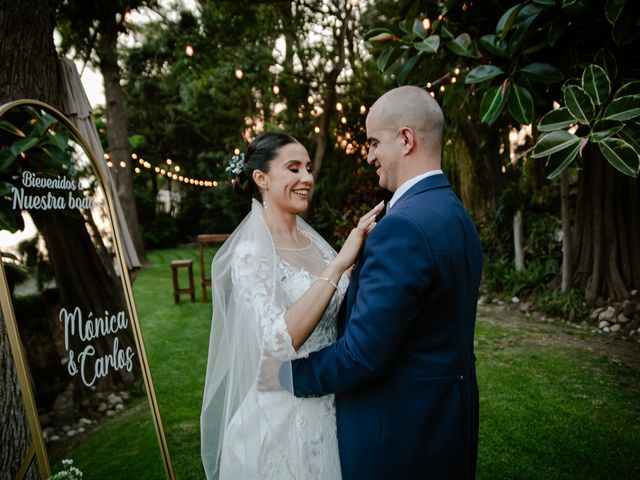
(236, 165)
(330, 282)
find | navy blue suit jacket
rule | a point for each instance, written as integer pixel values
(403, 368)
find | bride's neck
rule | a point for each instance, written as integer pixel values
(283, 226)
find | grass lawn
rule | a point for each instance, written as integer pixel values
(552, 405)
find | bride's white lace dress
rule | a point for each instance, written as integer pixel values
(274, 435)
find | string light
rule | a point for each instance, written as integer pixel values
(453, 79)
(442, 88)
(134, 156)
(426, 24)
(123, 164)
(106, 156)
(363, 109)
(276, 90)
(428, 84)
(310, 100)
(236, 151)
(109, 164)
(317, 129)
(339, 106)
(343, 120)
(188, 50)
(177, 168)
(239, 74)
(432, 94)
(169, 161)
(168, 173)
(457, 71)
(137, 169)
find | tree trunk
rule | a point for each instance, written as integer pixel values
(567, 234)
(28, 69)
(117, 134)
(607, 261)
(518, 249)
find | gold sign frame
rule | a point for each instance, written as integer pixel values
(18, 352)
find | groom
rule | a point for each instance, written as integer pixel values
(403, 369)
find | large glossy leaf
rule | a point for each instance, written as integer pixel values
(419, 30)
(429, 45)
(553, 142)
(561, 159)
(625, 29)
(612, 10)
(7, 157)
(521, 31)
(579, 104)
(576, 7)
(631, 88)
(445, 33)
(383, 60)
(596, 83)
(604, 129)
(11, 128)
(556, 119)
(507, 20)
(623, 108)
(461, 45)
(520, 103)
(543, 73)
(406, 68)
(494, 46)
(5, 188)
(24, 144)
(483, 73)
(606, 60)
(545, 2)
(620, 154)
(631, 134)
(493, 101)
(556, 29)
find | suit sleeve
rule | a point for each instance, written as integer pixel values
(397, 269)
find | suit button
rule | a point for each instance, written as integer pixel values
(460, 377)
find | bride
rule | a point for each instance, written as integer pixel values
(277, 289)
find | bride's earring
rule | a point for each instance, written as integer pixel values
(264, 198)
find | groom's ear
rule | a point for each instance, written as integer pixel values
(408, 139)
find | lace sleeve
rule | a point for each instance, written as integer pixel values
(255, 290)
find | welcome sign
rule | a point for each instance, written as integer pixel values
(68, 305)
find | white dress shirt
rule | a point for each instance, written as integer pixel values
(402, 189)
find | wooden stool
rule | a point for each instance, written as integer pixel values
(175, 265)
(202, 241)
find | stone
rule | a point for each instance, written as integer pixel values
(515, 300)
(66, 428)
(607, 314)
(603, 324)
(110, 413)
(524, 307)
(119, 407)
(125, 396)
(48, 432)
(102, 407)
(596, 312)
(84, 422)
(616, 327)
(606, 329)
(634, 293)
(81, 430)
(482, 300)
(114, 399)
(54, 438)
(71, 433)
(622, 318)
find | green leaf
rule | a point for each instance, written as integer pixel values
(61, 139)
(445, 33)
(506, 21)
(631, 88)
(7, 218)
(620, 154)
(429, 45)
(604, 129)
(625, 29)
(596, 83)
(11, 128)
(556, 29)
(545, 2)
(7, 157)
(556, 119)
(576, 7)
(24, 144)
(579, 104)
(384, 58)
(461, 45)
(483, 73)
(623, 108)
(494, 46)
(520, 103)
(612, 10)
(553, 142)
(419, 29)
(606, 60)
(406, 69)
(563, 158)
(493, 101)
(5, 188)
(631, 134)
(543, 73)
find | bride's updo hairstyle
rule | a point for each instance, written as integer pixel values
(261, 151)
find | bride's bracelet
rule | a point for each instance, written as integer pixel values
(329, 281)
